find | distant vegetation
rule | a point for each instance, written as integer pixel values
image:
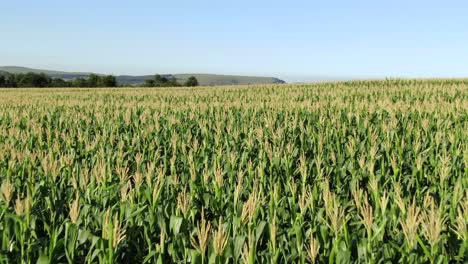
(218, 80)
(32, 79)
(129, 80)
(163, 81)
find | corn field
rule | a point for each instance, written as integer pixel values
(345, 172)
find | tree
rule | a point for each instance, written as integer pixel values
(107, 81)
(93, 80)
(191, 81)
(11, 80)
(31, 79)
(80, 82)
(57, 82)
(150, 83)
(2, 81)
(172, 82)
(159, 79)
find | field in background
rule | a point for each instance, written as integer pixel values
(361, 171)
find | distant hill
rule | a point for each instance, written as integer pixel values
(203, 79)
(17, 69)
(214, 79)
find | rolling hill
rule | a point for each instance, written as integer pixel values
(203, 79)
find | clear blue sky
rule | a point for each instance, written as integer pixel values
(295, 40)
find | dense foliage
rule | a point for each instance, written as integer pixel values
(191, 82)
(163, 81)
(360, 172)
(41, 80)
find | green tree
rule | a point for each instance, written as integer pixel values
(160, 81)
(107, 81)
(172, 82)
(93, 80)
(11, 80)
(57, 82)
(2, 81)
(191, 81)
(80, 82)
(33, 80)
(150, 83)
(159, 78)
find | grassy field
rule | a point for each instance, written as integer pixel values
(363, 172)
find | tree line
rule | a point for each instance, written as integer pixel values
(163, 81)
(31, 79)
(93, 80)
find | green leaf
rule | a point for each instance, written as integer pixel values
(195, 256)
(259, 231)
(425, 249)
(149, 257)
(238, 244)
(43, 260)
(175, 223)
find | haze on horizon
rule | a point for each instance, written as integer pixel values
(295, 41)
